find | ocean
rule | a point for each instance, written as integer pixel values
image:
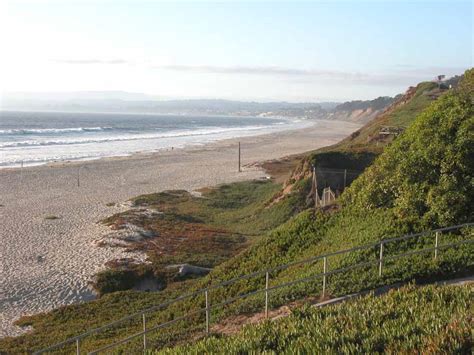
(34, 138)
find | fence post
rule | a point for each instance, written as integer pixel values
(324, 274)
(239, 158)
(345, 178)
(266, 294)
(144, 331)
(78, 348)
(380, 258)
(207, 311)
(436, 245)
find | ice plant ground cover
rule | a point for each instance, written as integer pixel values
(431, 319)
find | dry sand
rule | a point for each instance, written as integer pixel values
(47, 263)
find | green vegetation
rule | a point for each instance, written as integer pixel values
(421, 181)
(360, 149)
(433, 319)
(202, 231)
(425, 176)
(375, 104)
(240, 208)
(401, 115)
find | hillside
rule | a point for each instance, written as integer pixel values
(411, 186)
(359, 150)
(434, 319)
(395, 118)
(360, 111)
(419, 180)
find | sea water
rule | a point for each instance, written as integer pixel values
(33, 138)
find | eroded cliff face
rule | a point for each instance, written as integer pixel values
(358, 115)
(360, 111)
(401, 100)
(302, 171)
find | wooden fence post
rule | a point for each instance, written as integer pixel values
(239, 158)
(380, 258)
(207, 312)
(324, 275)
(266, 294)
(144, 331)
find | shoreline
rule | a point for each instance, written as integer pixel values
(48, 262)
(132, 155)
(148, 143)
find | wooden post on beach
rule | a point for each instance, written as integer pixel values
(239, 158)
(21, 171)
(78, 173)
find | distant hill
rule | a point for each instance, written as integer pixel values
(117, 101)
(127, 102)
(376, 104)
(141, 103)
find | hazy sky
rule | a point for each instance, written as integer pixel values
(260, 50)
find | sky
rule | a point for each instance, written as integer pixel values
(254, 50)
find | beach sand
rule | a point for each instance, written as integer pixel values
(47, 263)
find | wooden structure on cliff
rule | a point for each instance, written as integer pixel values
(327, 197)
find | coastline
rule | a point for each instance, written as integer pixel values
(27, 147)
(47, 262)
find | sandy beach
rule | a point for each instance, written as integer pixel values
(47, 263)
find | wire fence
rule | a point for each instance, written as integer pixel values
(335, 178)
(380, 261)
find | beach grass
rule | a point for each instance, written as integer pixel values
(203, 230)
